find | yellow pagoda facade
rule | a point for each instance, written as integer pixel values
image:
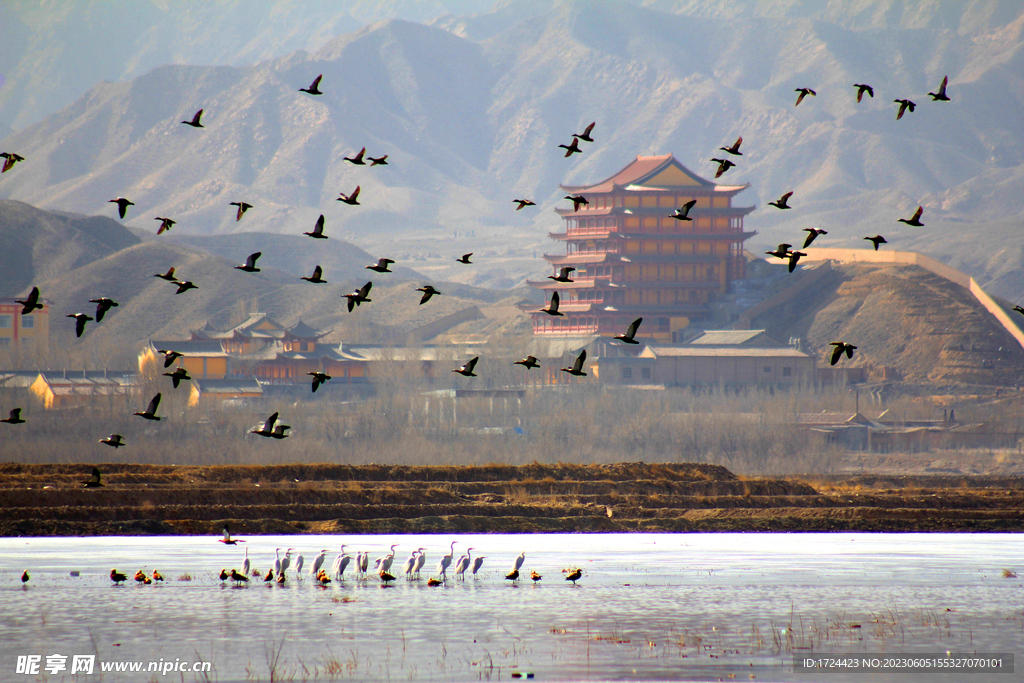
(633, 259)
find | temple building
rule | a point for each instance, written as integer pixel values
(633, 259)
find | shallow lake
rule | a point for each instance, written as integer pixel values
(648, 607)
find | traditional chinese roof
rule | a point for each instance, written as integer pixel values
(258, 326)
(653, 173)
(720, 351)
(734, 338)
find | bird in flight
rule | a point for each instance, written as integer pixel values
(184, 286)
(318, 379)
(378, 161)
(839, 350)
(465, 258)
(804, 92)
(31, 302)
(812, 233)
(577, 200)
(115, 440)
(103, 304)
(250, 263)
(735, 149)
(267, 428)
(227, 540)
(350, 199)
(904, 105)
(563, 274)
(195, 120)
(577, 367)
(14, 417)
(794, 257)
(782, 202)
(165, 224)
(382, 266)
(94, 481)
(242, 208)
(876, 240)
(357, 159)
(169, 356)
(315, 278)
(122, 205)
(572, 148)
(630, 336)
(359, 296)
(169, 275)
(863, 88)
(10, 158)
(314, 88)
(278, 433)
(178, 375)
(940, 96)
(150, 412)
(528, 362)
(467, 369)
(723, 166)
(1019, 309)
(80, 320)
(552, 308)
(522, 203)
(428, 292)
(683, 212)
(781, 252)
(585, 135)
(318, 229)
(914, 220)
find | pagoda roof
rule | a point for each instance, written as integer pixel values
(258, 326)
(661, 172)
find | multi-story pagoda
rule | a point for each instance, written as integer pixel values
(633, 259)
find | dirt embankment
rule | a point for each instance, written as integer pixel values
(40, 500)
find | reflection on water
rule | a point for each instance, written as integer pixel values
(649, 606)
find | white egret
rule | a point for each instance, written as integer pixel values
(518, 564)
(445, 562)
(245, 563)
(461, 566)
(477, 563)
(409, 565)
(385, 562)
(299, 561)
(340, 563)
(277, 562)
(364, 561)
(318, 562)
(286, 561)
(421, 559)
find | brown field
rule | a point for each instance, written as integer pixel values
(44, 500)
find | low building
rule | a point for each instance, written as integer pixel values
(212, 392)
(701, 364)
(68, 389)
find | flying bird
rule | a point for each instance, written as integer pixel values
(10, 158)
(528, 362)
(184, 286)
(357, 159)
(115, 440)
(267, 428)
(378, 161)
(735, 149)
(804, 92)
(552, 308)
(683, 212)
(31, 302)
(242, 208)
(178, 375)
(465, 258)
(103, 304)
(522, 203)
(278, 433)
(315, 278)
(781, 252)
(195, 120)
(585, 135)
(723, 166)
(250, 263)
(577, 200)
(863, 88)
(467, 369)
(577, 367)
(630, 336)
(382, 266)
(150, 412)
(839, 350)
(227, 540)
(350, 199)
(165, 224)
(428, 292)
(318, 229)
(904, 105)
(80, 320)
(914, 220)
(359, 296)
(812, 233)
(14, 417)
(940, 96)
(563, 274)
(122, 205)
(93, 481)
(1019, 309)
(876, 240)
(318, 379)
(314, 88)
(572, 148)
(169, 275)
(793, 257)
(782, 202)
